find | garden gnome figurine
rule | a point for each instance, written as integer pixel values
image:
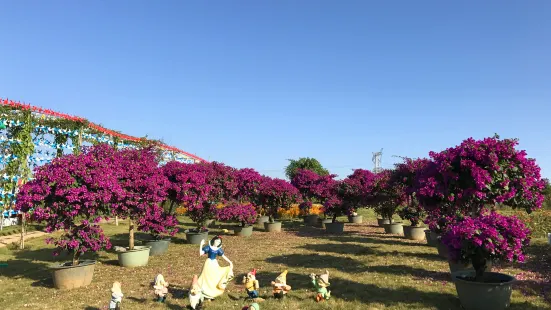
(253, 306)
(116, 296)
(321, 283)
(251, 284)
(195, 294)
(161, 288)
(280, 287)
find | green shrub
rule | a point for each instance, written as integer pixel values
(539, 221)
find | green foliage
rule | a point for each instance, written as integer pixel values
(547, 195)
(307, 163)
(538, 221)
(20, 166)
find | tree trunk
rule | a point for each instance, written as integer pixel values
(76, 256)
(334, 218)
(22, 243)
(171, 206)
(130, 234)
(116, 221)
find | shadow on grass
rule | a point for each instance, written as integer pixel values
(347, 249)
(406, 255)
(535, 278)
(370, 293)
(92, 308)
(404, 270)
(372, 240)
(322, 261)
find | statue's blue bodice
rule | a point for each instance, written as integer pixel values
(212, 253)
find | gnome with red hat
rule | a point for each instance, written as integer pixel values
(251, 284)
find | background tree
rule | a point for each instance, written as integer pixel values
(547, 194)
(306, 163)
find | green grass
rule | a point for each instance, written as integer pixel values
(368, 270)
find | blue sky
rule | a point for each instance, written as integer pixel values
(253, 83)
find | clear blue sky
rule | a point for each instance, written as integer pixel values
(252, 83)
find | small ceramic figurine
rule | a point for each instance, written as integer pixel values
(116, 296)
(161, 288)
(253, 306)
(321, 283)
(280, 287)
(251, 284)
(195, 295)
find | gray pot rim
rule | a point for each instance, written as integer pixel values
(401, 224)
(196, 233)
(137, 248)
(81, 263)
(355, 215)
(246, 226)
(512, 280)
(275, 222)
(415, 227)
(157, 240)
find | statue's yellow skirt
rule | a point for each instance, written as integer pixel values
(214, 279)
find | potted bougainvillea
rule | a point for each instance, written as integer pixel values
(161, 226)
(468, 179)
(478, 241)
(143, 188)
(311, 187)
(414, 213)
(71, 194)
(189, 188)
(387, 197)
(248, 191)
(276, 194)
(355, 191)
(245, 214)
(404, 175)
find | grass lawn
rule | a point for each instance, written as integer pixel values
(368, 270)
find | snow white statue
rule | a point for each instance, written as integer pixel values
(214, 278)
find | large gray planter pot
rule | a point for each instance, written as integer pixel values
(334, 228)
(432, 238)
(492, 294)
(382, 222)
(158, 247)
(358, 219)
(263, 219)
(458, 266)
(442, 250)
(311, 219)
(272, 227)
(137, 257)
(195, 238)
(240, 231)
(414, 233)
(394, 229)
(67, 276)
(325, 221)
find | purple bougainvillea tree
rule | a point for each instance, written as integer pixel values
(478, 174)
(485, 238)
(314, 188)
(244, 213)
(356, 190)
(461, 185)
(276, 194)
(404, 176)
(386, 196)
(144, 188)
(71, 194)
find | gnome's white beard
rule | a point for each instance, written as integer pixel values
(195, 299)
